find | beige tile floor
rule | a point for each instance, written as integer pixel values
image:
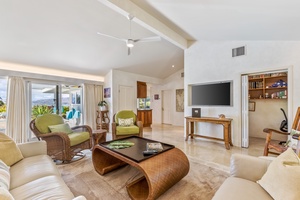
(209, 151)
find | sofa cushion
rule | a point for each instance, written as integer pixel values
(78, 137)
(5, 194)
(9, 152)
(64, 128)
(238, 188)
(281, 180)
(48, 187)
(31, 168)
(127, 130)
(42, 122)
(4, 175)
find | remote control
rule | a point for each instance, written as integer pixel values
(147, 153)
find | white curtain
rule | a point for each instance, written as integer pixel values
(92, 94)
(17, 124)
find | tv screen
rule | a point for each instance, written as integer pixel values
(212, 94)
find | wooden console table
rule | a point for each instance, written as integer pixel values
(226, 122)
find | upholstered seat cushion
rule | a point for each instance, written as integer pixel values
(78, 137)
(31, 168)
(44, 188)
(43, 122)
(239, 188)
(127, 130)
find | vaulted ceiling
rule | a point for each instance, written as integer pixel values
(63, 35)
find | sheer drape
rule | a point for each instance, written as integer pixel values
(92, 94)
(16, 122)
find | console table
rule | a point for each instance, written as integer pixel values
(226, 122)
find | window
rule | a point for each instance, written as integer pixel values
(3, 94)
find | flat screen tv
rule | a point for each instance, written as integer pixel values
(211, 94)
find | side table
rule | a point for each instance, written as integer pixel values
(99, 136)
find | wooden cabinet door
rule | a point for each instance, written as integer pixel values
(149, 117)
(141, 89)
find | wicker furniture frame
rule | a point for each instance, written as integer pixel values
(58, 144)
(269, 145)
(114, 127)
(160, 172)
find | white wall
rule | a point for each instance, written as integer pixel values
(208, 61)
(267, 114)
(172, 83)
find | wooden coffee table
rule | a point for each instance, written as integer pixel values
(160, 171)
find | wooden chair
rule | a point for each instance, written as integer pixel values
(62, 145)
(275, 146)
(121, 131)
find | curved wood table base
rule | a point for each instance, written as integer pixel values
(160, 172)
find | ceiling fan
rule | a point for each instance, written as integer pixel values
(130, 42)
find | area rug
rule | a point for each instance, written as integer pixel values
(202, 181)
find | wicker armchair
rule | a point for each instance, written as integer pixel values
(62, 146)
(275, 146)
(119, 131)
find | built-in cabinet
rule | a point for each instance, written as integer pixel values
(141, 89)
(268, 86)
(145, 116)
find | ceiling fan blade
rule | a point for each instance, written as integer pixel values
(124, 40)
(129, 50)
(148, 39)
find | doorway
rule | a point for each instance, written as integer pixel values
(264, 96)
(126, 98)
(166, 107)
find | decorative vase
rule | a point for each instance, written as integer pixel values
(103, 108)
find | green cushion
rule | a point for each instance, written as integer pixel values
(124, 114)
(65, 128)
(78, 137)
(127, 130)
(43, 122)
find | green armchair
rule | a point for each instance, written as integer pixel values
(63, 143)
(125, 124)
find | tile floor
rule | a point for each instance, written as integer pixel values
(210, 151)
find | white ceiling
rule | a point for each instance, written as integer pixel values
(61, 34)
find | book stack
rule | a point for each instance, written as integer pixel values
(156, 146)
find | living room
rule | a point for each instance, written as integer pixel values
(204, 60)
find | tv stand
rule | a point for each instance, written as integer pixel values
(226, 122)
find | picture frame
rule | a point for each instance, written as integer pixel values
(106, 92)
(156, 97)
(251, 106)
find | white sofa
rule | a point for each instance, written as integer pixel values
(244, 172)
(36, 176)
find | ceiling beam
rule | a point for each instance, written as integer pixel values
(146, 20)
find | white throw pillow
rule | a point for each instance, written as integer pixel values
(281, 180)
(125, 122)
(292, 142)
(4, 176)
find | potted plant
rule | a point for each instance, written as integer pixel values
(102, 105)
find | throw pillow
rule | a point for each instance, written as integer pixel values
(5, 195)
(9, 152)
(292, 142)
(4, 175)
(65, 128)
(281, 180)
(125, 122)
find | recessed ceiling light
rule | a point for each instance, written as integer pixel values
(173, 66)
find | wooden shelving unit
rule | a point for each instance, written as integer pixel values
(261, 87)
